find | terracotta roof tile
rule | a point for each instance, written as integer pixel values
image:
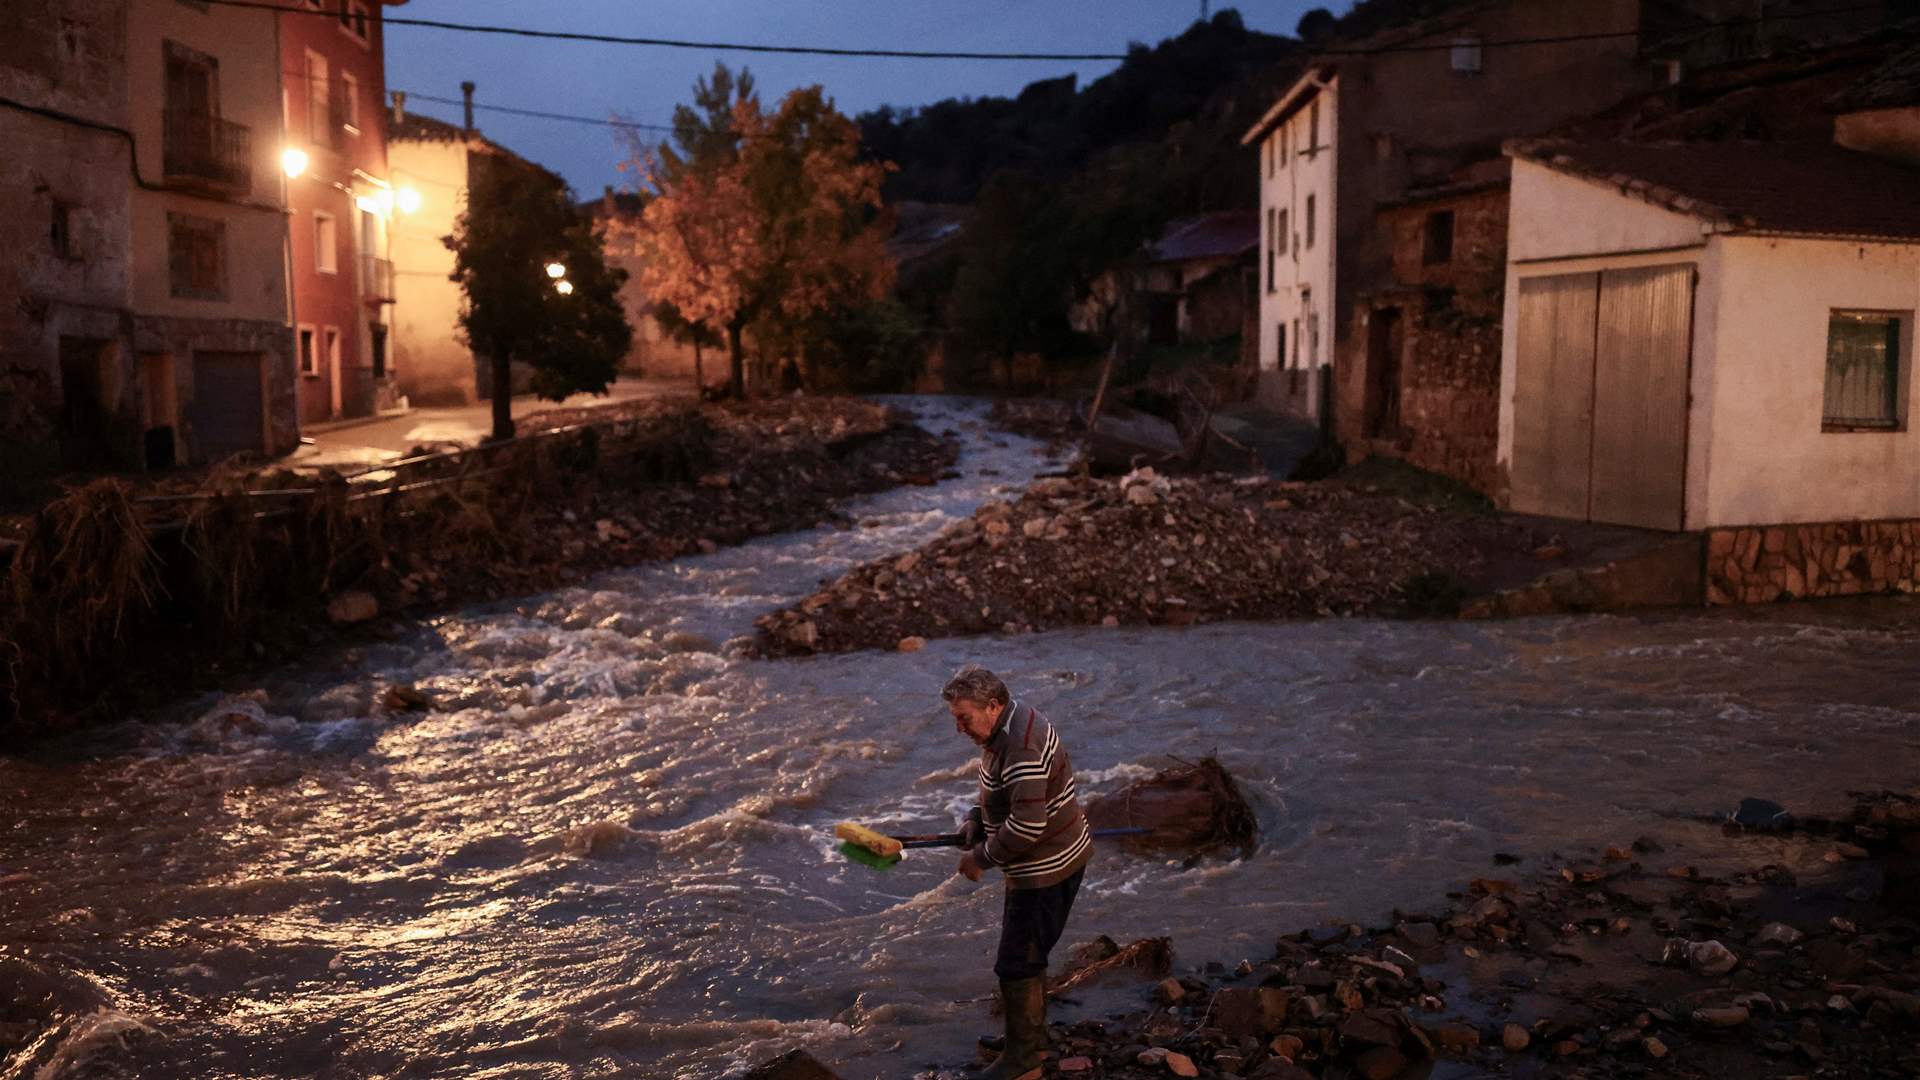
(1808, 189)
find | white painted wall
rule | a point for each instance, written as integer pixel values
(1769, 460)
(1556, 216)
(1302, 289)
(1756, 453)
(430, 364)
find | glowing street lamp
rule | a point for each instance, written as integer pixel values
(556, 271)
(294, 161)
(564, 287)
(408, 200)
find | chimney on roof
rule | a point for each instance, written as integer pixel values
(399, 106)
(466, 94)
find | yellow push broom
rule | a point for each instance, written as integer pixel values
(875, 849)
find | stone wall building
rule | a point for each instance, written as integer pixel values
(1433, 337)
(654, 353)
(143, 305)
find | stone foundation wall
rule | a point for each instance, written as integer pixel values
(1450, 397)
(1758, 564)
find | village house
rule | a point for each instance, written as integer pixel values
(340, 201)
(1194, 284)
(143, 305)
(1352, 155)
(1719, 337)
(434, 161)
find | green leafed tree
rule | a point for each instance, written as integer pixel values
(571, 332)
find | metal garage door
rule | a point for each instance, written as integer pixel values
(228, 406)
(1600, 395)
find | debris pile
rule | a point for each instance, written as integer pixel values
(150, 596)
(1633, 962)
(1151, 549)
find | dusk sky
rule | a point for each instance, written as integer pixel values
(644, 83)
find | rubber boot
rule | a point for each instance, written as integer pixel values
(1026, 1015)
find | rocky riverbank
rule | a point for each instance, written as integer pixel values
(1151, 549)
(245, 576)
(1784, 949)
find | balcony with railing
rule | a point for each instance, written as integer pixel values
(376, 280)
(204, 150)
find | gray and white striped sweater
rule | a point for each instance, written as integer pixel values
(1036, 834)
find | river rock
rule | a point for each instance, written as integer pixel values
(352, 606)
(1380, 1063)
(1727, 1016)
(1711, 958)
(1257, 1011)
(1077, 1064)
(1654, 1047)
(792, 1065)
(1181, 1065)
(912, 643)
(1514, 1038)
(1778, 933)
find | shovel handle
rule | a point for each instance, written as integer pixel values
(938, 840)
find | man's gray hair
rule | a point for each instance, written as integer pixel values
(976, 684)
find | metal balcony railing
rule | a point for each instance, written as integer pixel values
(204, 148)
(376, 279)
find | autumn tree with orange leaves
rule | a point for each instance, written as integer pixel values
(761, 220)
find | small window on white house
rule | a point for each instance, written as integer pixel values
(1273, 243)
(331, 341)
(309, 357)
(1313, 127)
(1286, 140)
(326, 243)
(1286, 242)
(1464, 56)
(1864, 376)
(1310, 217)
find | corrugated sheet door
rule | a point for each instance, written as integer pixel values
(1640, 396)
(228, 407)
(1553, 395)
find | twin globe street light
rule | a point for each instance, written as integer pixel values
(558, 272)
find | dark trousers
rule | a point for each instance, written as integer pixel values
(1030, 924)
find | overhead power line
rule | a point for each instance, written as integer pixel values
(936, 54)
(672, 43)
(538, 114)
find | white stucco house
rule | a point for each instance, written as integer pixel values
(1296, 269)
(1709, 335)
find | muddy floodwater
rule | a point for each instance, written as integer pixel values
(609, 854)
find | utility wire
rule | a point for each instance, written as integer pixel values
(933, 54)
(622, 124)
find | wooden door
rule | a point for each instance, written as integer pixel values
(1553, 395)
(1641, 366)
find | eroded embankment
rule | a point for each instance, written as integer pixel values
(108, 602)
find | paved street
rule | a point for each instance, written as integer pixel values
(386, 439)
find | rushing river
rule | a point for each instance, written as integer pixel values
(609, 854)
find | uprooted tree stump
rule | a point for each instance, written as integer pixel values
(1192, 808)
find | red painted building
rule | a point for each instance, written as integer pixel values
(341, 202)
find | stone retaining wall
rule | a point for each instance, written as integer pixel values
(1759, 564)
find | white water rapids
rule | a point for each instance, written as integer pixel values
(610, 854)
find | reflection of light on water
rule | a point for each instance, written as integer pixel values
(714, 923)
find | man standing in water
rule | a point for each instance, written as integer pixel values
(1027, 824)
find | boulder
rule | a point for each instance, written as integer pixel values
(792, 1065)
(1255, 1011)
(1188, 808)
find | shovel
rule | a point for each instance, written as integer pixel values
(881, 852)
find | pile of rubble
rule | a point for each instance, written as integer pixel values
(1151, 549)
(1802, 959)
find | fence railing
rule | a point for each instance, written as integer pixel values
(202, 147)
